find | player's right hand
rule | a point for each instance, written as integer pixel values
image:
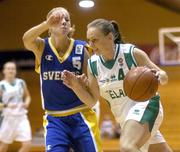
(83, 79)
(54, 19)
(12, 105)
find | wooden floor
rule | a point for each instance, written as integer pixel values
(170, 97)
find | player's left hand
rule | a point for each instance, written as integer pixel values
(1, 106)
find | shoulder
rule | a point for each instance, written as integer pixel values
(2, 82)
(93, 58)
(80, 42)
(127, 47)
(92, 64)
(20, 81)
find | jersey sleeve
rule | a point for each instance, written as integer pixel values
(23, 83)
(129, 57)
(92, 65)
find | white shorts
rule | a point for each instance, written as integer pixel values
(151, 112)
(15, 128)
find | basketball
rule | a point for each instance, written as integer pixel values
(140, 84)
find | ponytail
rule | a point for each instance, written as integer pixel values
(106, 27)
(117, 34)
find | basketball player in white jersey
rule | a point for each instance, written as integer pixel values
(139, 121)
(15, 99)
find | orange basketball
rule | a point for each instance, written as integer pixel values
(140, 84)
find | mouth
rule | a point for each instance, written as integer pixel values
(64, 27)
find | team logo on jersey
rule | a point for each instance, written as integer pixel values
(49, 57)
(79, 49)
(120, 60)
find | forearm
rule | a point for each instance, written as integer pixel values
(35, 32)
(27, 101)
(85, 96)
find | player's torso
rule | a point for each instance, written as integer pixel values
(55, 95)
(13, 93)
(110, 77)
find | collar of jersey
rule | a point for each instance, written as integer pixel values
(66, 54)
(110, 64)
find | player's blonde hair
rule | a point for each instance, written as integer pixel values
(55, 9)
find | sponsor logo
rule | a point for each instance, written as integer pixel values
(114, 94)
(79, 49)
(120, 61)
(49, 57)
(136, 112)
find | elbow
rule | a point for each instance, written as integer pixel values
(26, 41)
(24, 38)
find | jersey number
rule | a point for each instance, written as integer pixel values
(76, 61)
(121, 74)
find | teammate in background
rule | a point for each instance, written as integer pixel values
(68, 121)
(15, 98)
(139, 121)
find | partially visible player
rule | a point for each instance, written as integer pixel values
(15, 98)
(68, 121)
(96, 107)
(139, 121)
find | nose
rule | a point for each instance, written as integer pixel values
(63, 21)
(91, 44)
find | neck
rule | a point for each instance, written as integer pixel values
(60, 43)
(10, 80)
(109, 53)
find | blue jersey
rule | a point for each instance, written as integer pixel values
(55, 95)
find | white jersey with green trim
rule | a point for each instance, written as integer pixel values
(13, 93)
(110, 75)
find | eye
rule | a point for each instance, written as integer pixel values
(67, 19)
(93, 40)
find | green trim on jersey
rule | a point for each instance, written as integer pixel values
(93, 67)
(2, 87)
(110, 64)
(129, 58)
(151, 112)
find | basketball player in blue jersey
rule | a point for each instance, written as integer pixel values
(68, 122)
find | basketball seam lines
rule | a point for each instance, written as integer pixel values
(146, 89)
(137, 80)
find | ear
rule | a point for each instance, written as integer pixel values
(110, 36)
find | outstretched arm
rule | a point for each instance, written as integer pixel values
(142, 59)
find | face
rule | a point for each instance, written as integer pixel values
(99, 42)
(9, 70)
(64, 24)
